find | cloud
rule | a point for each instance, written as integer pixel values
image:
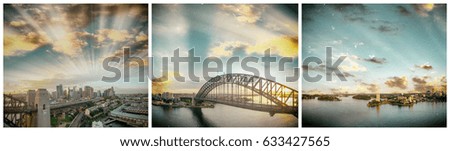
(425, 66)
(423, 9)
(245, 13)
(386, 28)
(403, 11)
(350, 63)
(138, 53)
(376, 60)
(357, 44)
(16, 44)
(397, 82)
(344, 74)
(321, 68)
(341, 90)
(72, 43)
(284, 46)
(226, 49)
(421, 85)
(62, 37)
(351, 8)
(18, 23)
(113, 35)
(61, 26)
(370, 87)
(141, 37)
(313, 91)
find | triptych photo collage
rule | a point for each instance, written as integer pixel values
(224, 65)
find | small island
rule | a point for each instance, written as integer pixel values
(178, 101)
(362, 97)
(308, 97)
(328, 98)
(408, 99)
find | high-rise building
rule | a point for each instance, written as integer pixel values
(59, 91)
(69, 93)
(89, 91)
(99, 93)
(54, 96)
(43, 108)
(109, 92)
(75, 96)
(80, 92)
(31, 97)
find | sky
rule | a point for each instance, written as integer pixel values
(222, 31)
(47, 45)
(388, 48)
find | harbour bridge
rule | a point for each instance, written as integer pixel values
(17, 112)
(250, 92)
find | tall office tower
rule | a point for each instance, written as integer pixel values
(89, 91)
(113, 92)
(54, 96)
(75, 93)
(80, 92)
(70, 93)
(31, 97)
(59, 91)
(43, 110)
(99, 93)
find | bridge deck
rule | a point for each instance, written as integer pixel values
(257, 107)
(27, 109)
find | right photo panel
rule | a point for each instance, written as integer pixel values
(375, 65)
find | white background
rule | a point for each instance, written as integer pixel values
(76, 139)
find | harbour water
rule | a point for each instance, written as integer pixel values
(354, 113)
(219, 116)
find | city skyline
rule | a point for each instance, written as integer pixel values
(46, 45)
(388, 48)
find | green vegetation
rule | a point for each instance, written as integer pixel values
(54, 121)
(308, 97)
(68, 118)
(362, 97)
(94, 112)
(328, 98)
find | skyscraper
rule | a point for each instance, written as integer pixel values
(99, 93)
(89, 91)
(59, 91)
(80, 92)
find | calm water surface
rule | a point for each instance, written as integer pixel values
(354, 113)
(219, 116)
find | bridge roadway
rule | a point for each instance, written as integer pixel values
(258, 107)
(14, 110)
(76, 122)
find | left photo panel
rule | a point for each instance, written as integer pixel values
(75, 65)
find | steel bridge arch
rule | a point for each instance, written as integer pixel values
(268, 88)
(14, 111)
